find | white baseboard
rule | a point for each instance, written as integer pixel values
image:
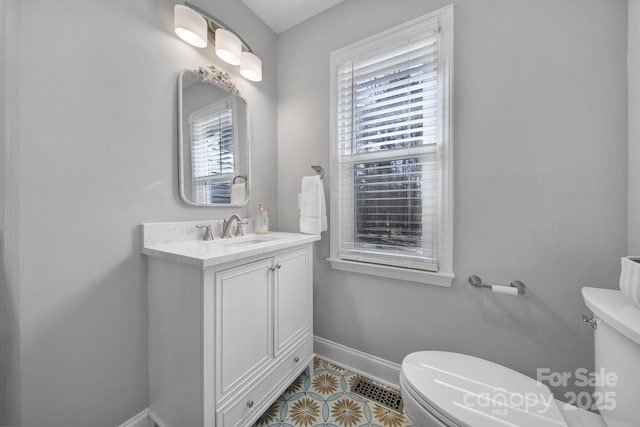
(371, 366)
(156, 419)
(140, 420)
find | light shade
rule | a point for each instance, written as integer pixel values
(190, 26)
(228, 46)
(251, 67)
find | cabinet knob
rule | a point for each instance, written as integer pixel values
(250, 403)
(296, 359)
(272, 268)
(278, 266)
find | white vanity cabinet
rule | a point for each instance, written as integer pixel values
(226, 340)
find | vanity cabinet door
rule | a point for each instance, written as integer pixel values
(293, 299)
(244, 327)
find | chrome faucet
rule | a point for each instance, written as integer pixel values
(226, 226)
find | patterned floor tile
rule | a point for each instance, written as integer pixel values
(326, 400)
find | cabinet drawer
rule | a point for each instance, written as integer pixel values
(254, 402)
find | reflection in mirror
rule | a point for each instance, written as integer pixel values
(213, 139)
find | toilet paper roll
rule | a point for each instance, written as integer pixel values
(506, 290)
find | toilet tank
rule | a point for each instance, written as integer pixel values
(617, 356)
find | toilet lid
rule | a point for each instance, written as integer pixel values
(477, 393)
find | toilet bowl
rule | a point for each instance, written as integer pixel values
(443, 389)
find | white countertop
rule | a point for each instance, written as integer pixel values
(219, 251)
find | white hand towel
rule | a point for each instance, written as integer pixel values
(313, 208)
(630, 279)
(238, 193)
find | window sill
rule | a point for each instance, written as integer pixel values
(426, 277)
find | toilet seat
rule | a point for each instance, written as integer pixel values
(464, 391)
(429, 416)
(420, 411)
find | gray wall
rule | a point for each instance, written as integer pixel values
(9, 331)
(540, 159)
(634, 127)
(98, 156)
(6, 388)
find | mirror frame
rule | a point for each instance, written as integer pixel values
(222, 80)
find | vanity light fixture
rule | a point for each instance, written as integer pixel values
(195, 26)
(190, 26)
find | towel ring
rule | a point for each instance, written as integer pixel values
(239, 176)
(319, 169)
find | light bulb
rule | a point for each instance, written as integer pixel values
(251, 67)
(228, 46)
(190, 26)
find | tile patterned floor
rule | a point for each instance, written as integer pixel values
(326, 400)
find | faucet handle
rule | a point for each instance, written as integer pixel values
(239, 230)
(208, 234)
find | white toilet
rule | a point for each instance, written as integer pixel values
(442, 389)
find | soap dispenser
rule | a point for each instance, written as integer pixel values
(262, 220)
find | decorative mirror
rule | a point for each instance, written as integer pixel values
(213, 139)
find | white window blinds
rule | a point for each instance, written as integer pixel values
(212, 152)
(388, 137)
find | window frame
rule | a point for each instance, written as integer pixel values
(444, 276)
(228, 103)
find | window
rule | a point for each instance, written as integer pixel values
(391, 148)
(212, 152)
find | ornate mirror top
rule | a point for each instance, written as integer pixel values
(211, 73)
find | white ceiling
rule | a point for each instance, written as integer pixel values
(281, 15)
